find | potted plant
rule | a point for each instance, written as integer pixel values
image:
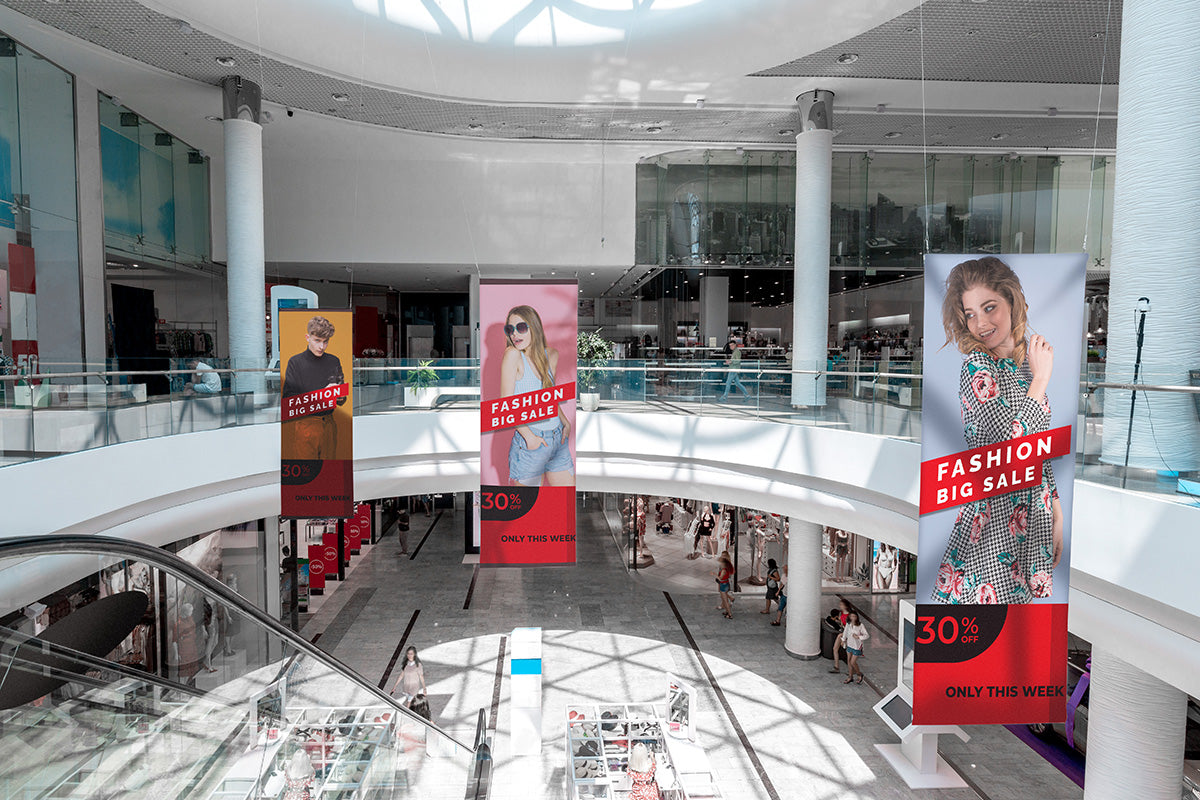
(418, 389)
(593, 352)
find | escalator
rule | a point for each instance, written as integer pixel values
(142, 676)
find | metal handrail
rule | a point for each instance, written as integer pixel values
(646, 368)
(58, 544)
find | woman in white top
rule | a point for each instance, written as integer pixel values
(854, 635)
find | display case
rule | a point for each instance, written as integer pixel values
(343, 746)
(598, 741)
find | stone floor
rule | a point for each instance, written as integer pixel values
(772, 726)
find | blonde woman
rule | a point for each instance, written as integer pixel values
(1002, 549)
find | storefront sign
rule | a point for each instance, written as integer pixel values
(316, 412)
(997, 478)
(317, 568)
(527, 492)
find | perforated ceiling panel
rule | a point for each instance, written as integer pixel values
(125, 27)
(1018, 41)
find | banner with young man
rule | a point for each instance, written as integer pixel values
(316, 412)
(999, 402)
(527, 338)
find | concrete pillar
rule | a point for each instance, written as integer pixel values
(802, 637)
(90, 191)
(714, 309)
(244, 230)
(814, 182)
(1135, 733)
(1153, 256)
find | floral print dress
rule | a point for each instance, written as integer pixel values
(1002, 548)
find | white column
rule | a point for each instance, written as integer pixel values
(810, 307)
(245, 278)
(473, 321)
(90, 191)
(802, 637)
(1154, 238)
(714, 309)
(1135, 733)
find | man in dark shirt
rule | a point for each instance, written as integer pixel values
(313, 436)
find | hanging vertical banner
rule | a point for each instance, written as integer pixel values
(527, 419)
(999, 404)
(316, 412)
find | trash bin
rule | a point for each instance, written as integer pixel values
(829, 634)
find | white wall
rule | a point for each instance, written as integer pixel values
(343, 193)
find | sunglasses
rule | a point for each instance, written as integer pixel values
(520, 327)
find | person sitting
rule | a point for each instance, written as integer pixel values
(207, 381)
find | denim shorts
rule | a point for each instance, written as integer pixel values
(527, 466)
(854, 651)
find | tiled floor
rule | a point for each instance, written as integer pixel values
(610, 638)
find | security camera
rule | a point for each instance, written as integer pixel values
(291, 113)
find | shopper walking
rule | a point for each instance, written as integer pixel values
(855, 635)
(724, 579)
(782, 596)
(844, 611)
(773, 578)
(412, 678)
(733, 377)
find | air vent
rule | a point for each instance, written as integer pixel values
(129, 119)
(163, 140)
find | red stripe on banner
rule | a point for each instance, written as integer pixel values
(303, 405)
(989, 471)
(522, 409)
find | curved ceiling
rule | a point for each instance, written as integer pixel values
(379, 62)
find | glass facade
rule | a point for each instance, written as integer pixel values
(728, 208)
(39, 221)
(156, 204)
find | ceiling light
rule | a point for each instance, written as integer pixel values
(786, 132)
(1098, 35)
(1052, 111)
(340, 97)
(226, 61)
(474, 126)
(699, 102)
(998, 136)
(972, 31)
(847, 58)
(880, 108)
(654, 129)
(184, 26)
(892, 135)
(212, 118)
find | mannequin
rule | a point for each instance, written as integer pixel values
(299, 777)
(183, 646)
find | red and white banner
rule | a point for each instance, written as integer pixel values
(316, 412)
(527, 421)
(313, 402)
(997, 478)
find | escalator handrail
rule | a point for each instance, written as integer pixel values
(81, 544)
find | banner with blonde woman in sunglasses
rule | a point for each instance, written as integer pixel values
(527, 421)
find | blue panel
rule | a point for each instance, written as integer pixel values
(526, 666)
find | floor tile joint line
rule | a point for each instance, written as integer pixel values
(712, 681)
(387, 673)
(426, 536)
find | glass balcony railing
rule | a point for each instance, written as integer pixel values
(126, 671)
(67, 409)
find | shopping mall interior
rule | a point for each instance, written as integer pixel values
(744, 196)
